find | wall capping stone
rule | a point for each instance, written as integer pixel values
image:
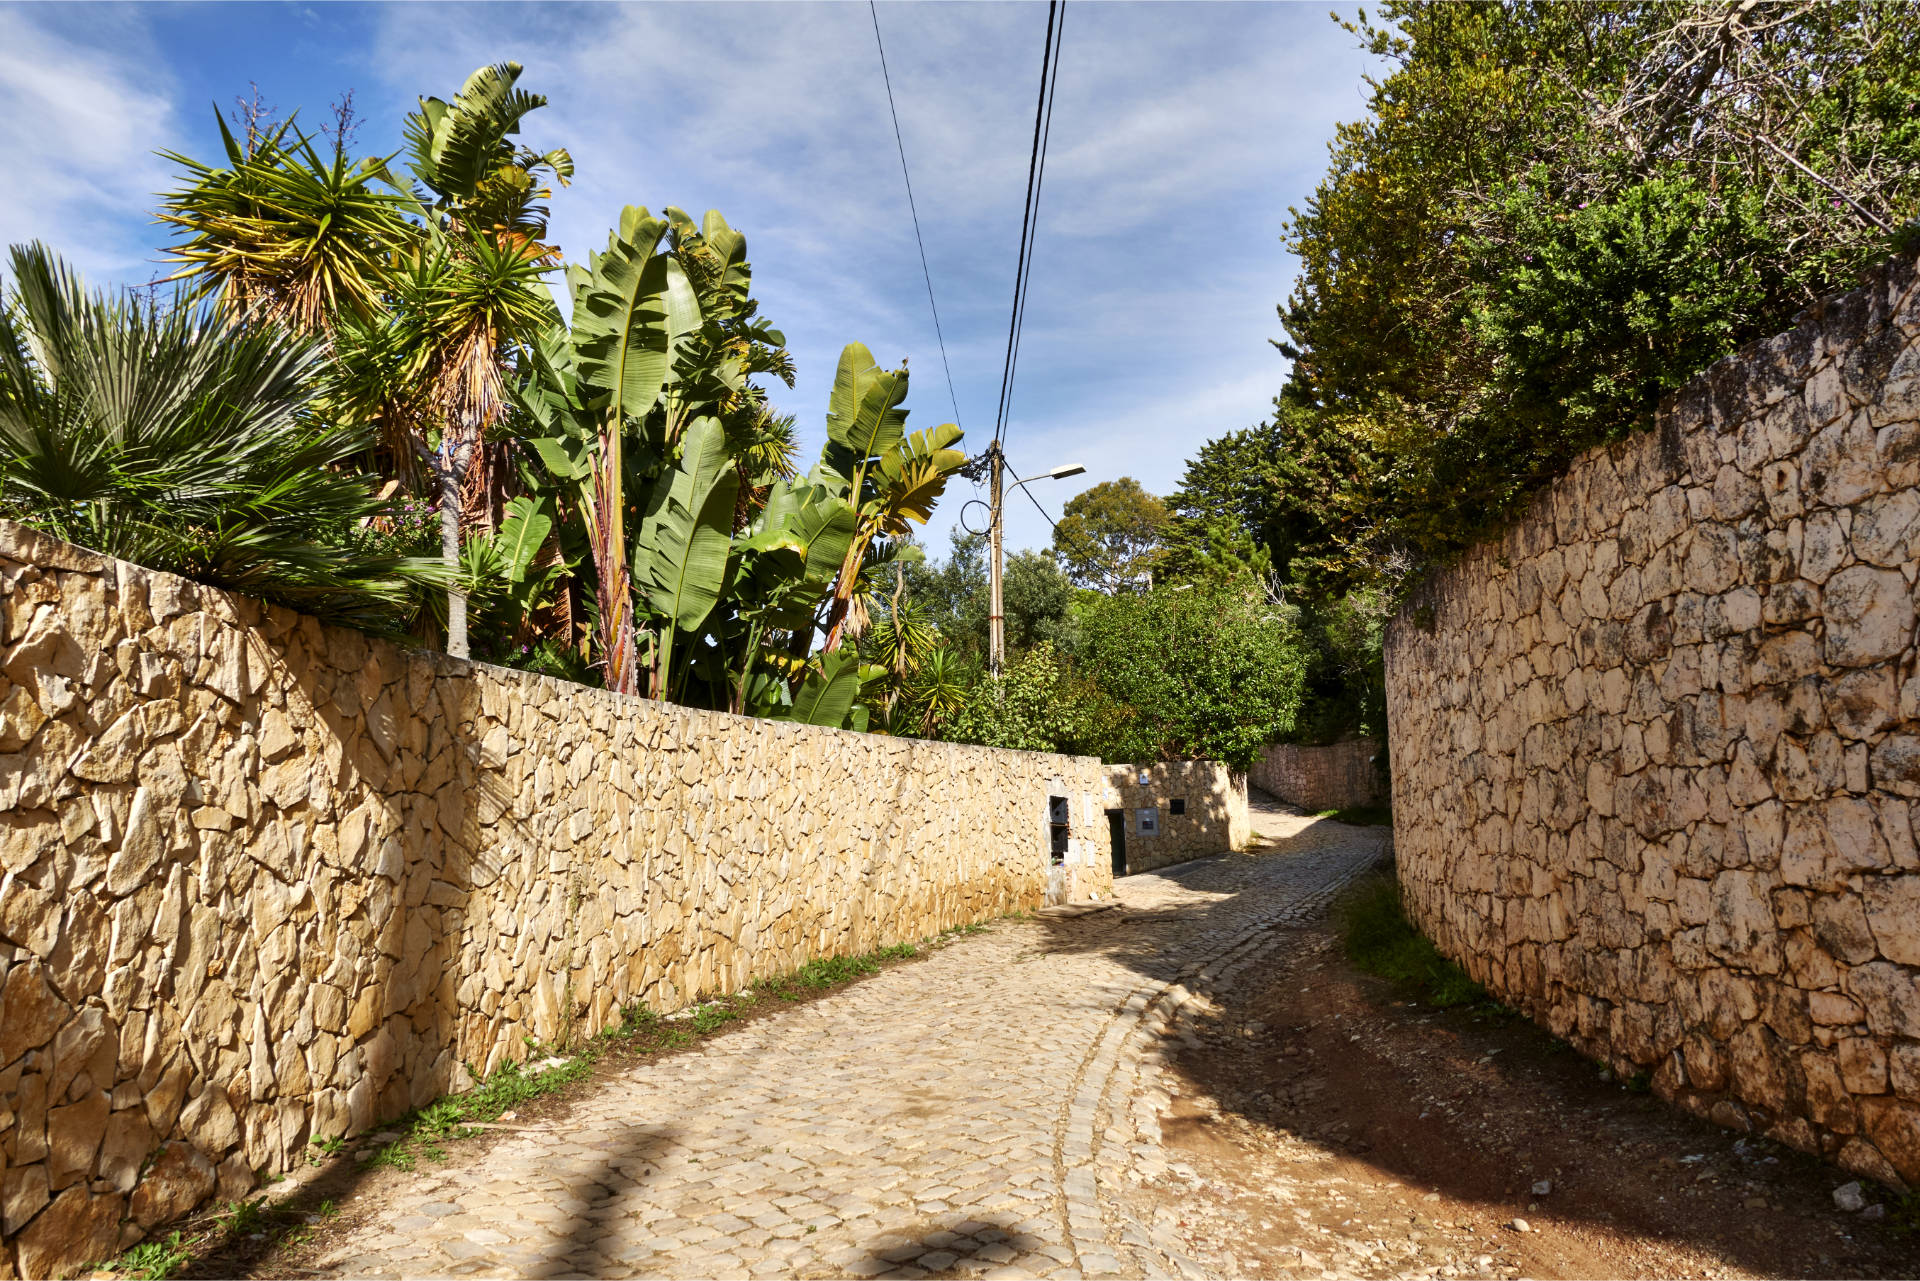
(1656, 747)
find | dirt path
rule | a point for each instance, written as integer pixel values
(1316, 1125)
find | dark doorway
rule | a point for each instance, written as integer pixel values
(1117, 826)
(1058, 815)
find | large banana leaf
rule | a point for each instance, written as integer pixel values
(828, 693)
(864, 418)
(522, 533)
(620, 323)
(681, 555)
(828, 526)
(913, 477)
(455, 145)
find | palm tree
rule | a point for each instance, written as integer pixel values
(425, 296)
(181, 438)
(474, 297)
(463, 305)
(285, 234)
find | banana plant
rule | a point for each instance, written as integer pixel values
(784, 565)
(647, 397)
(890, 479)
(681, 559)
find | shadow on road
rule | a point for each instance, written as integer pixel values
(1476, 1105)
(963, 1248)
(600, 1198)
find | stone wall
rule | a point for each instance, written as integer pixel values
(268, 882)
(1331, 776)
(1213, 804)
(1656, 752)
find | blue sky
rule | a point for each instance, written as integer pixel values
(1182, 133)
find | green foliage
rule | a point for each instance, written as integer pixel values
(1288, 487)
(1345, 688)
(465, 154)
(1033, 707)
(1036, 595)
(1110, 536)
(1381, 940)
(155, 1260)
(1551, 216)
(1361, 816)
(680, 560)
(1198, 671)
(1037, 599)
(284, 232)
(175, 437)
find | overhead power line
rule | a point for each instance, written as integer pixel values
(1039, 184)
(1037, 506)
(1036, 164)
(908, 178)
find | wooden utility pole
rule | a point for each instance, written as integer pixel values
(996, 618)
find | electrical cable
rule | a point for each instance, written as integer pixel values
(914, 209)
(1035, 501)
(1026, 220)
(1039, 184)
(1037, 507)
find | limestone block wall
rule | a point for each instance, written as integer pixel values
(1331, 776)
(267, 882)
(1213, 820)
(1656, 753)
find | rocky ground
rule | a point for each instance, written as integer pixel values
(1319, 1125)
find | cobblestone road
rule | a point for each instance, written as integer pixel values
(978, 1113)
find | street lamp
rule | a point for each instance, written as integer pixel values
(997, 635)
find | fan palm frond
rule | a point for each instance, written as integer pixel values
(183, 439)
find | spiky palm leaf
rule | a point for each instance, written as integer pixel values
(180, 438)
(286, 232)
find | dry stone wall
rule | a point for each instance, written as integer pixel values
(1330, 776)
(268, 882)
(1656, 753)
(1213, 805)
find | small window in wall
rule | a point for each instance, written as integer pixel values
(1177, 806)
(1147, 821)
(1058, 813)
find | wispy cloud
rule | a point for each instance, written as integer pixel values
(1181, 135)
(84, 115)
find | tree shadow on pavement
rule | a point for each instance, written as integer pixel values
(961, 1247)
(1476, 1106)
(603, 1197)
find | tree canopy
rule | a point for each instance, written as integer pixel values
(1552, 215)
(1110, 536)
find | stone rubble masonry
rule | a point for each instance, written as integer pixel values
(268, 882)
(1316, 777)
(1216, 817)
(1656, 752)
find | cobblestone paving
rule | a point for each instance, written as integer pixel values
(977, 1113)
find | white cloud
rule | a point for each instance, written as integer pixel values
(83, 123)
(1181, 135)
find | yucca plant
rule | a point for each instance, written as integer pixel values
(172, 435)
(285, 232)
